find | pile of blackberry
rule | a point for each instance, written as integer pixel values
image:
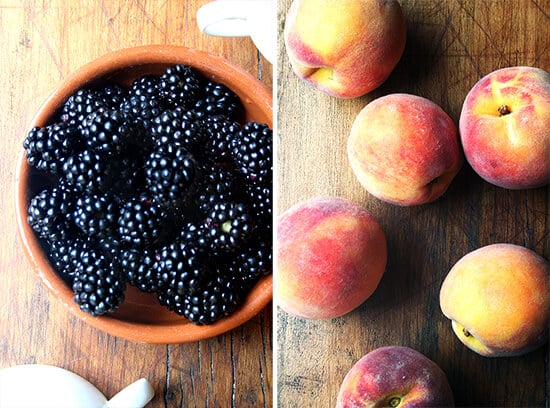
(161, 185)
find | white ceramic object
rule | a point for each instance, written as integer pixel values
(45, 386)
(241, 18)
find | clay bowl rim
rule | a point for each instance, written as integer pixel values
(257, 97)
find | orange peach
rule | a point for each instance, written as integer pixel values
(395, 376)
(404, 149)
(498, 299)
(330, 256)
(505, 127)
(345, 48)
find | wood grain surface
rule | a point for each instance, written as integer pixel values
(41, 42)
(450, 45)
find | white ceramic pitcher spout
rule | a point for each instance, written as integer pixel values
(241, 18)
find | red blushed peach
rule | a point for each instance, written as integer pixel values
(505, 127)
(330, 256)
(404, 149)
(345, 48)
(395, 376)
(498, 299)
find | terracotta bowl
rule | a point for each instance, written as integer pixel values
(140, 317)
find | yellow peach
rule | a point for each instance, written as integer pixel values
(404, 149)
(498, 299)
(330, 257)
(505, 127)
(345, 48)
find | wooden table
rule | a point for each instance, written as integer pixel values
(40, 44)
(450, 45)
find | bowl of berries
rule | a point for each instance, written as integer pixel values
(144, 194)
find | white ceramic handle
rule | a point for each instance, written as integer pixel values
(241, 18)
(136, 395)
(226, 18)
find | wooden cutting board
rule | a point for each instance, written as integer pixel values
(450, 45)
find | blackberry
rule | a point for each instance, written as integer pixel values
(180, 268)
(252, 151)
(180, 86)
(169, 172)
(218, 100)
(85, 171)
(48, 147)
(228, 226)
(202, 298)
(260, 198)
(64, 256)
(88, 100)
(142, 110)
(253, 262)
(140, 222)
(218, 298)
(178, 126)
(191, 235)
(89, 171)
(108, 132)
(49, 211)
(123, 174)
(147, 86)
(139, 269)
(218, 184)
(221, 133)
(109, 245)
(98, 284)
(95, 214)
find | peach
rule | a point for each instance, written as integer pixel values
(498, 299)
(404, 149)
(330, 257)
(395, 376)
(505, 127)
(345, 48)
